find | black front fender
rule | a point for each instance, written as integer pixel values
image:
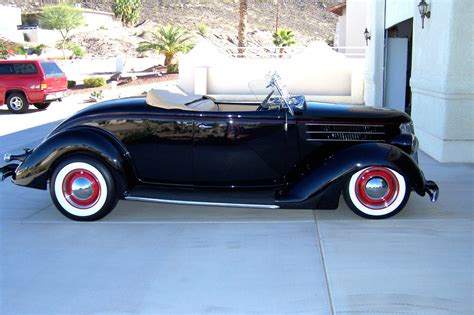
(38, 165)
(321, 187)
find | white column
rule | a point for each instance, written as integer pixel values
(374, 53)
(442, 81)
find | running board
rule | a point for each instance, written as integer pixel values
(201, 203)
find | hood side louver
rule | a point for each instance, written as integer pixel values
(345, 132)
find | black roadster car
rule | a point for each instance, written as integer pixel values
(283, 152)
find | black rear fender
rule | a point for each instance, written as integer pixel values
(36, 169)
(321, 187)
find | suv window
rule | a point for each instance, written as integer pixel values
(51, 69)
(6, 68)
(24, 68)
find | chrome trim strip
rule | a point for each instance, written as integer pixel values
(348, 140)
(351, 132)
(201, 203)
(320, 124)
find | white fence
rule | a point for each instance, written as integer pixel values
(316, 71)
(263, 52)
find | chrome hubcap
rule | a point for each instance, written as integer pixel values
(16, 103)
(376, 188)
(81, 188)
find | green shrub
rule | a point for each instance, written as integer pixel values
(94, 82)
(172, 68)
(202, 29)
(38, 50)
(77, 50)
(97, 95)
(4, 51)
(19, 50)
(128, 11)
(71, 84)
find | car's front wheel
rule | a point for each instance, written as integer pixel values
(377, 192)
(17, 103)
(42, 105)
(83, 189)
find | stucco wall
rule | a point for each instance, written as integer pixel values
(442, 81)
(96, 19)
(318, 72)
(39, 35)
(399, 11)
(442, 73)
(341, 30)
(355, 22)
(10, 18)
(374, 53)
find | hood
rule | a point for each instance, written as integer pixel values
(352, 113)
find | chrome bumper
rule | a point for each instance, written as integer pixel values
(18, 157)
(432, 189)
(9, 169)
(56, 96)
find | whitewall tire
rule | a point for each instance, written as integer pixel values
(377, 192)
(82, 188)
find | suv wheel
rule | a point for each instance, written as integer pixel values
(42, 105)
(17, 103)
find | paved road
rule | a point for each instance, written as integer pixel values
(166, 259)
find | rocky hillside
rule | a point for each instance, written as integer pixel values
(308, 19)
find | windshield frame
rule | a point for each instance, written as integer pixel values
(276, 83)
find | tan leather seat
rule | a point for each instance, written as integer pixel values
(166, 99)
(163, 98)
(203, 105)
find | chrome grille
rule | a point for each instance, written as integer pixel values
(345, 132)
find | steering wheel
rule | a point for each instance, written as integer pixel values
(265, 102)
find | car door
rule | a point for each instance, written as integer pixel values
(161, 146)
(243, 149)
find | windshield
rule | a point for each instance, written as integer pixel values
(275, 82)
(272, 82)
(272, 93)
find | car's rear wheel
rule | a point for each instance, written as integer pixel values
(377, 192)
(83, 189)
(17, 103)
(42, 105)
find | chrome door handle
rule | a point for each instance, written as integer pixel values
(201, 126)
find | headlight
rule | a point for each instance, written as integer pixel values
(407, 128)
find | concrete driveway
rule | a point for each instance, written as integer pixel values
(166, 259)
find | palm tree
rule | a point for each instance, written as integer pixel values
(168, 40)
(242, 25)
(283, 38)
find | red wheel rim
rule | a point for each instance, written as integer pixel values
(81, 188)
(388, 192)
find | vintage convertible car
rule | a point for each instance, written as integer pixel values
(283, 152)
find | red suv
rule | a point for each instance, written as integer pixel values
(24, 82)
